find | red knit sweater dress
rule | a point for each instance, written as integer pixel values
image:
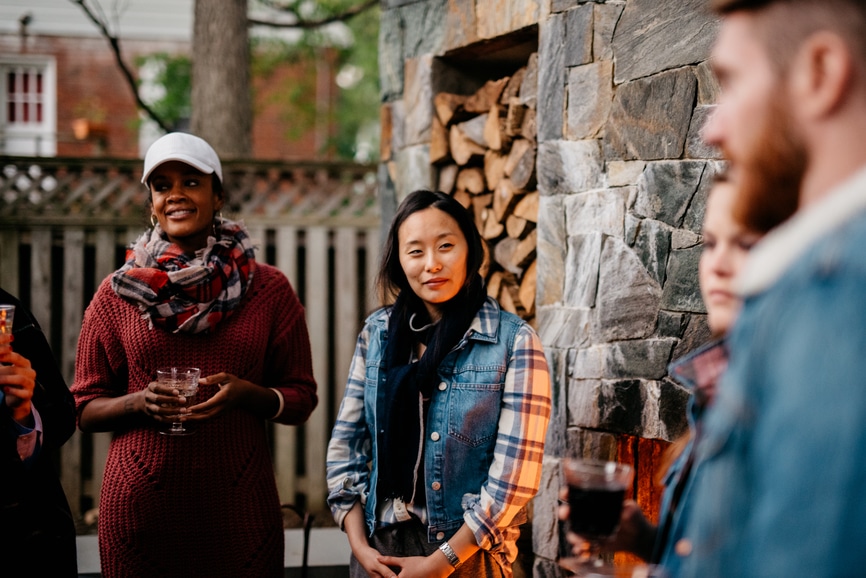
(204, 504)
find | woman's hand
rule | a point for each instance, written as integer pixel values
(435, 565)
(162, 402)
(371, 560)
(18, 380)
(233, 392)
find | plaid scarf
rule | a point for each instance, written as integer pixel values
(178, 292)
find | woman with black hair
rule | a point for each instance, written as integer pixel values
(439, 439)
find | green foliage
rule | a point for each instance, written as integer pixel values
(358, 106)
(174, 74)
(356, 112)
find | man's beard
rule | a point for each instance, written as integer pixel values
(769, 180)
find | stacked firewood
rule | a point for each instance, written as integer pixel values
(485, 145)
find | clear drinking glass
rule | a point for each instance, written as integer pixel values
(7, 314)
(596, 491)
(184, 379)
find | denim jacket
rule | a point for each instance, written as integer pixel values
(699, 372)
(780, 490)
(484, 437)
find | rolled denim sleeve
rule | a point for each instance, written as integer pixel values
(350, 447)
(515, 471)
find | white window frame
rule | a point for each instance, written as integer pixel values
(30, 138)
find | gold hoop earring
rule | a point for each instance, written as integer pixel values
(153, 220)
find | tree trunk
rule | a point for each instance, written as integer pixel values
(221, 101)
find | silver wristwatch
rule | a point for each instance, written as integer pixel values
(446, 549)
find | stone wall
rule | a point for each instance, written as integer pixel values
(623, 89)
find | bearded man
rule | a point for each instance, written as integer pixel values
(780, 490)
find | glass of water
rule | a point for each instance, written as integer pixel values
(185, 380)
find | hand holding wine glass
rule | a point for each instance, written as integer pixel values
(596, 491)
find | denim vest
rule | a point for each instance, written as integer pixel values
(462, 422)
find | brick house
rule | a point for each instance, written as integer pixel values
(62, 93)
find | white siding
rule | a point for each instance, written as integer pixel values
(150, 19)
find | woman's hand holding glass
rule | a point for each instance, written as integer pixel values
(162, 403)
(17, 379)
(634, 534)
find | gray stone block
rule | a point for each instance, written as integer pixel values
(551, 78)
(628, 297)
(398, 126)
(697, 333)
(590, 94)
(545, 521)
(461, 27)
(555, 442)
(673, 403)
(413, 170)
(624, 173)
(550, 252)
(418, 99)
(694, 219)
(665, 190)
(708, 84)
(590, 444)
(566, 167)
(637, 358)
(632, 226)
(499, 17)
(605, 18)
(612, 406)
(565, 327)
(683, 239)
(696, 148)
(652, 246)
(649, 118)
(578, 35)
(391, 54)
(596, 211)
(424, 32)
(681, 291)
(671, 324)
(586, 363)
(581, 270)
(653, 35)
(563, 5)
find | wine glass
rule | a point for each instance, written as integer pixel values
(7, 314)
(629, 570)
(596, 490)
(185, 380)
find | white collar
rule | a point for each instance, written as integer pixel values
(778, 251)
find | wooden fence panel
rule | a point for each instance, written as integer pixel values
(316, 428)
(346, 308)
(372, 246)
(40, 278)
(286, 438)
(73, 297)
(9, 261)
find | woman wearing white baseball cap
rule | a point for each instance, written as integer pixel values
(191, 294)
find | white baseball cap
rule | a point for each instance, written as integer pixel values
(183, 147)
